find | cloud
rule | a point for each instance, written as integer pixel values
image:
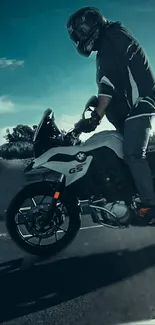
(6, 63)
(67, 122)
(6, 105)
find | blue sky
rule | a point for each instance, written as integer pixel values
(40, 68)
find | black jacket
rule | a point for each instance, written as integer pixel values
(123, 73)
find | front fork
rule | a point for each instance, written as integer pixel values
(59, 188)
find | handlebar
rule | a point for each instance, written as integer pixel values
(72, 137)
(58, 137)
(75, 133)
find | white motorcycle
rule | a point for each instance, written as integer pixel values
(66, 179)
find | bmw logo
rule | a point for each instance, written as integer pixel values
(81, 157)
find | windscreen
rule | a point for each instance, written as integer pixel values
(42, 123)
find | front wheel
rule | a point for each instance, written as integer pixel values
(24, 221)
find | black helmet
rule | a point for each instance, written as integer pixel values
(84, 28)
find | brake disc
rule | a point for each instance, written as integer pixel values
(34, 222)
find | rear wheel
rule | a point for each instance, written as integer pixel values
(24, 222)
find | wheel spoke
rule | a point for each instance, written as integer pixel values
(61, 229)
(28, 237)
(33, 201)
(20, 218)
(21, 210)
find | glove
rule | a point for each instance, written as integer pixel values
(89, 124)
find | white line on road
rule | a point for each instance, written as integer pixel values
(90, 227)
(145, 322)
(4, 235)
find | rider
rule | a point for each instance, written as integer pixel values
(126, 91)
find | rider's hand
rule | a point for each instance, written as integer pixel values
(85, 125)
(89, 124)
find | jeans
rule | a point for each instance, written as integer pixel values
(136, 137)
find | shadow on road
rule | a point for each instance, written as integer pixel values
(46, 285)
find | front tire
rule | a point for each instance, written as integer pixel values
(47, 250)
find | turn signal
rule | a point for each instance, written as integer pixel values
(56, 195)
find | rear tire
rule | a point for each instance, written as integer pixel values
(46, 250)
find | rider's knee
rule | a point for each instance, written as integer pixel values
(131, 156)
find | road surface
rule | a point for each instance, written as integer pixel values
(105, 277)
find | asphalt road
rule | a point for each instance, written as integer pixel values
(105, 277)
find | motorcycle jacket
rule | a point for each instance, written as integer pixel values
(123, 73)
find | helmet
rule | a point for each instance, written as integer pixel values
(84, 27)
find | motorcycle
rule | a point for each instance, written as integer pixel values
(68, 178)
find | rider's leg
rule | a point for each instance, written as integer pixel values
(136, 138)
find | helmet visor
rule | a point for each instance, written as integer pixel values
(81, 33)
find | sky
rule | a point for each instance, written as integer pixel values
(39, 66)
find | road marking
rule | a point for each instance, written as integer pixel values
(145, 322)
(60, 231)
(90, 227)
(4, 235)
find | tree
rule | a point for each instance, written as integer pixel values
(19, 143)
(21, 133)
